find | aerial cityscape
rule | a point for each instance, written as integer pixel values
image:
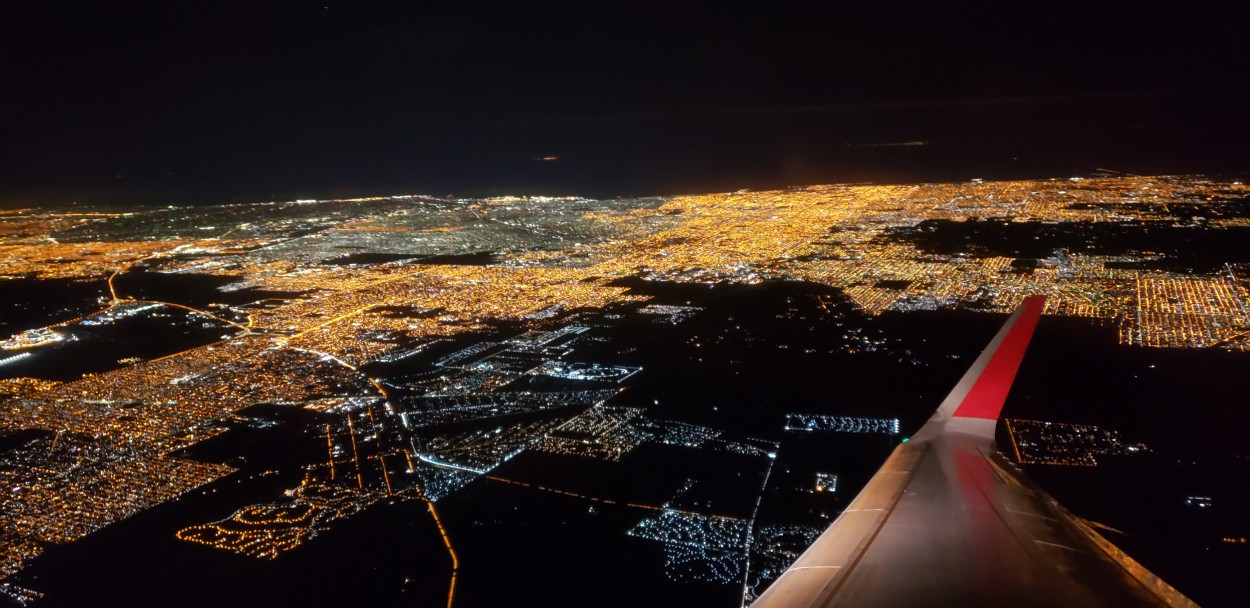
(670, 397)
(619, 304)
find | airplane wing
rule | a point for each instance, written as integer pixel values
(948, 521)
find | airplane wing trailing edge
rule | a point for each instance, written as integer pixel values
(948, 521)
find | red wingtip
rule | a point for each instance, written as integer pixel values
(985, 398)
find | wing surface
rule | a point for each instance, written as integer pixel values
(948, 521)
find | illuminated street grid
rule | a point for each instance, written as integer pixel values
(479, 451)
(697, 547)
(537, 341)
(40, 336)
(718, 549)
(611, 433)
(19, 595)
(370, 456)
(826, 482)
(16, 552)
(317, 316)
(841, 424)
(709, 549)
(742, 237)
(775, 548)
(615, 374)
(842, 236)
(601, 432)
(427, 411)
(60, 487)
(1060, 443)
(669, 313)
(1201, 502)
(163, 403)
(670, 432)
(1181, 311)
(465, 354)
(268, 530)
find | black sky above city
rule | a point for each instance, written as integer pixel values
(122, 102)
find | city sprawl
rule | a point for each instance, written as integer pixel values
(426, 341)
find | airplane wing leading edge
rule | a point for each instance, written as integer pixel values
(948, 521)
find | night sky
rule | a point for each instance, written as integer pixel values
(183, 102)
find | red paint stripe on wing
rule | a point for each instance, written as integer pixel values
(985, 399)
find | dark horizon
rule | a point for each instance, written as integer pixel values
(128, 103)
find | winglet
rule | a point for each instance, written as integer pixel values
(980, 394)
